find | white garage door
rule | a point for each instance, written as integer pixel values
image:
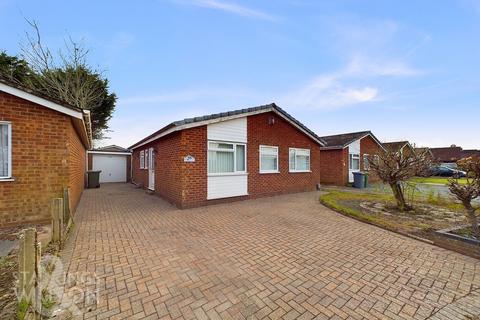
(113, 167)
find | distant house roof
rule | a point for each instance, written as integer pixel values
(340, 141)
(396, 146)
(448, 154)
(111, 148)
(218, 117)
(470, 153)
(81, 118)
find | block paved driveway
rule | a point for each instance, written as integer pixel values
(284, 257)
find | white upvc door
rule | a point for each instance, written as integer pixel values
(353, 165)
(151, 169)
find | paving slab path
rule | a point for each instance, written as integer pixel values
(284, 257)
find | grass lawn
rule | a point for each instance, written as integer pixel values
(341, 201)
(436, 180)
(350, 204)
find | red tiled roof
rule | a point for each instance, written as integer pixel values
(449, 154)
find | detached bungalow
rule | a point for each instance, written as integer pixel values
(344, 154)
(235, 155)
(43, 145)
(404, 147)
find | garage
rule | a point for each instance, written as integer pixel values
(112, 161)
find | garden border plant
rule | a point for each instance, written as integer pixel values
(469, 191)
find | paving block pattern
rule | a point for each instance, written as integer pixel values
(284, 257)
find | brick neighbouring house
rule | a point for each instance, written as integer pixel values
(346, 153)
(217, 158)
(450, 155)
(43, 145)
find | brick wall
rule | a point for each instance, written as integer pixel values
(168, 178)
(76, 166)
(129, 168)
(284, 136)
(334, 167)
(185, 184)
(40, 160)
(194, 174)
(369, 146)
(90, 161)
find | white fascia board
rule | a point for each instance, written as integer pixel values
(368, 134)
(39, 100)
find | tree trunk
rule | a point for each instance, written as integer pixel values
(398, 194)
(472, 217)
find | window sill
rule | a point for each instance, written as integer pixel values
(300, 171)
(268, 172)
(227, 174)
(7, 179)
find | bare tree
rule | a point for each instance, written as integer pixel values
(469, 191)
(395, 169)
(68, 77)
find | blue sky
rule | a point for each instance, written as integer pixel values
(403, 69)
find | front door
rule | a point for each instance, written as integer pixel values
(353, 165)
(151, 169)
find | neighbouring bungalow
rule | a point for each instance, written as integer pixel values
(43, 145)
(113, 162)
(242, 154)
(450, 155)
(344, 154)
(471, 153)
(404, 147)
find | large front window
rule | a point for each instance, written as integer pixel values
(299, 160)
(225, 157)
(5, 150)
(268, 159)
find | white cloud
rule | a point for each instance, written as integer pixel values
(335, 90)
(233, 8)
(361, 66)
(327, 92)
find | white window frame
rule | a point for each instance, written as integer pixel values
(8, 177)
(295, 160)
(352, 156)
(260, 159)
(142, 159)
(234, 151)
(365, 157)
(146, 159)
